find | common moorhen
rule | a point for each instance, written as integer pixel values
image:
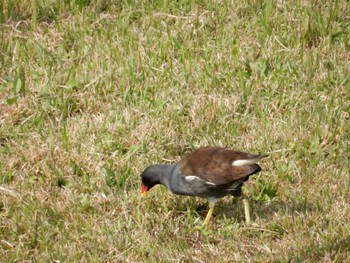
(209, 172)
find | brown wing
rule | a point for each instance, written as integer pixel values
(214, 164)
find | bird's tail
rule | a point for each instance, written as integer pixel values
(251, 159)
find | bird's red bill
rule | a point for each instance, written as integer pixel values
(144, 188)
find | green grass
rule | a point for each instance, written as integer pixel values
(92, 92)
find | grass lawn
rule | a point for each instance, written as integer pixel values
(92, 92)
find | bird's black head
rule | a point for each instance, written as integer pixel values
(151, 177)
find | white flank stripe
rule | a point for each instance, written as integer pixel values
(245, 162)
(191, 178)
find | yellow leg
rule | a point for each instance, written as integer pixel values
(210, 212)
(246, 211)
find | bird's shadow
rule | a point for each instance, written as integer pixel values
(259, 209)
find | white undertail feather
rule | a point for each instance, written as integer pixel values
(245, 162)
